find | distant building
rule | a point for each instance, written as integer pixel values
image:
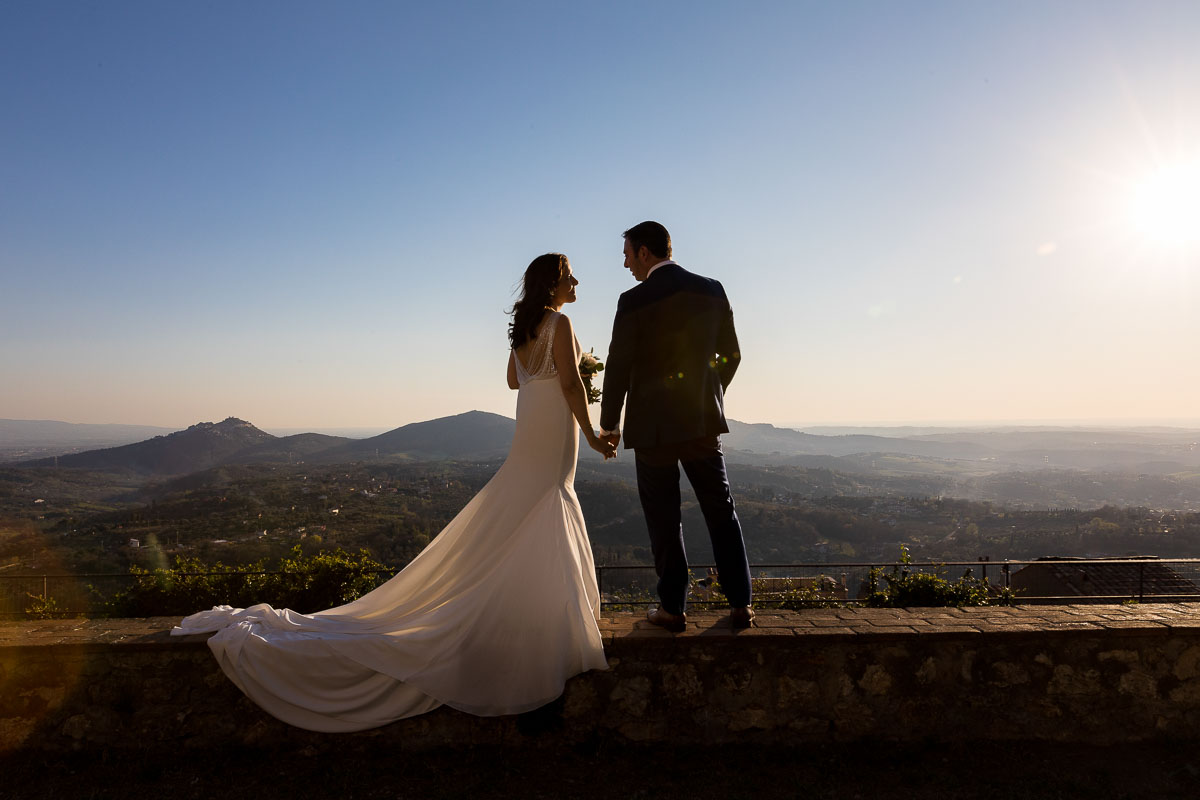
(1150, 577)
(135, 543)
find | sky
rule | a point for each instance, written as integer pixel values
(315, 215)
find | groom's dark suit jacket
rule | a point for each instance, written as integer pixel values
(673, 354)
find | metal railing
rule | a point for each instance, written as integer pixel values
(1143, 580)
(623, 585)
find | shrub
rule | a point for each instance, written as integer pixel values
(42, 607)
(904, 588)
(785, 593)
(302, 583)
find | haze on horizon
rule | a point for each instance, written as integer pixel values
(314, 216)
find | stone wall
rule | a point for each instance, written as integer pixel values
(1094, 674)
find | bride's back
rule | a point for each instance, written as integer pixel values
(535, 358)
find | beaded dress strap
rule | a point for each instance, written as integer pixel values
(541, 354)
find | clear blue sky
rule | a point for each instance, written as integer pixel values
(314, 214)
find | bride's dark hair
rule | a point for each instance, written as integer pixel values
(537, 292)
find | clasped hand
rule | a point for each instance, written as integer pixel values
(606, 445)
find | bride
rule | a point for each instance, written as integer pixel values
(495, 614)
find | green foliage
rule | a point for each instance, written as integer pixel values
(43, 607)
(786, 593)
(904, 588)
(795, 595)
(630, 599)
(327, 579)
(303, 583)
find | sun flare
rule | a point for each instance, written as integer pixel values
(1166, 205)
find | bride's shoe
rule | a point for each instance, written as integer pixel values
(675, 623)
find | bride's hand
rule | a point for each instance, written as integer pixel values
(604, 448)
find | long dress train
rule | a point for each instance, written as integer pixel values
(491, 618)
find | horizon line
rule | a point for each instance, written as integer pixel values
(1096, 422)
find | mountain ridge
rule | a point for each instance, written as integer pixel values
(482, 436)
(473, 435)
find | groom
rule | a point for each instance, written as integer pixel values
(673, 354)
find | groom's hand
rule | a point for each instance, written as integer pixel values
(614, 439)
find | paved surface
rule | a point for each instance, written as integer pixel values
(1157, 618)
(1152, 619)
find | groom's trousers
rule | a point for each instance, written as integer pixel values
(658, 486)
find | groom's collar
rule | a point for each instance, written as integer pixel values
(664, 263)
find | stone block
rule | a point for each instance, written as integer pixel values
(809, 728)
(1069, 681)
(832, 630)
(77, 727)
(1187, 693)
(745, 719)
(794, 692)
(853, 722)
(927, 673)
(736, 679)
(641, 731)
(681, 683)
(967, 668)
(580, 699)
(875, 680)
(1187, 666)
(1122, 656)
(1138, 684)
(1006, 674)
(632, 696)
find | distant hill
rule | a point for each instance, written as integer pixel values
(24, 439)
(1022, 465)
(46, 432)
(767, 439)
(201, 446)
(474, 435)
(298, 447)
(1155, 451)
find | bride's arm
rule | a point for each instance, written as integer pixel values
(566, 361)
(513, 383)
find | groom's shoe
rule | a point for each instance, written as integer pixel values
(741, 617)
(675, 623)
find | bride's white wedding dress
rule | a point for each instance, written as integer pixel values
(491, 618)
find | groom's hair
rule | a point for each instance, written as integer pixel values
(652, 235)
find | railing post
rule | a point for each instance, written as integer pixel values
(1141, 581)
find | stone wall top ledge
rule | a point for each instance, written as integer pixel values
(772, 626)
